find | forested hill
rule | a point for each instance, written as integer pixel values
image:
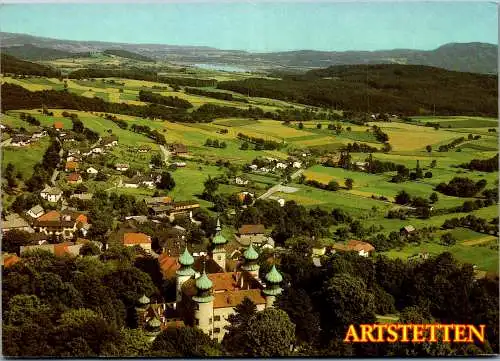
(406, 89)
(127, 54)
(12, 65)
(32, 52)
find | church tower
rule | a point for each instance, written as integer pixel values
(204, 304)
(273, 289)
(250, 263)
(218, 250)
(184, 273)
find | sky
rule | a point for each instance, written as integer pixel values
(262, 26)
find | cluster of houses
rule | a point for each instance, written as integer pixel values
(165, 207)
(272, 165)
(23, 139)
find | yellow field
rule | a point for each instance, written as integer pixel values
(306, 201)
(404, 136)
(320, 177)
(368, 194)
(275, 129)
(25, 84)
(481, 240)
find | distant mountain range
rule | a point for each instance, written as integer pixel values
(465, 57)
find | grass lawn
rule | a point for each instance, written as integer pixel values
(24, 158)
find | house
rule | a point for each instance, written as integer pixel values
(59, 249)
(20, 140)
(71, 166)
(58, 126)
(172, 209)
(243, 195)
(361, 165)
(73, 158)
(92, 170)
(178, 149)
(137, 239)
(363, 249)
(15, 222)
(83, 196)
(74, 178)
(35, 211)
(180, 164)
(110, 141)
(280, 165)
(297, 164)
(68, 138)
(121, 167)
(131, 183)
(144, 149)
(72, 152)
(8, 260)
(65, 223)
(252, 233)
(97, 150)
(253, 167)
(407, 230)
(51, 194)
(241, 181)
(38, 135)
(148, 182)
(264, 170)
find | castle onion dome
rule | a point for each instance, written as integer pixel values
(144, 300)
(203, 282)
(250, 253)
(274, 276)
(186, 259)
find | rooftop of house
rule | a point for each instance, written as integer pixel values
(168, 265)
(74, 177)
(58, 125)
(136, 238)
(36, 209)
(71, 165)
(409, 228)
(234, 298)
(66, 219)
(121, 165)
(354, 245)
(9, 260)
(52, 191)
(179, 148)
(82, 196)
(252, 229)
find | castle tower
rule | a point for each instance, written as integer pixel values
(204, 304)
(184, 273)
(218, 250)
(250, 264)
(141, 309)
(273, 289)
(153, 328)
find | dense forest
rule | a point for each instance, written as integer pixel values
(404, 89)
(12, 65)
(36, 53)
(127, 54)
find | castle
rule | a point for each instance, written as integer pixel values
(206, 297)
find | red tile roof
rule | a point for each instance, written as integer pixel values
(136, 238)
(234, 298)
(74, 177)
(62, 248)
(58, 125)
(360, 246)
(168, 265)
(50, 216)
(71, 165)
(252, 229)
(10, 260)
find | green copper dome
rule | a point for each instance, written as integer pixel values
(203, 282)
(219, 239)
(144, 300)
(274, 276)
(250, 253)
(155, 322)
(186, 259)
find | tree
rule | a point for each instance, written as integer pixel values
(133, 343)
(428, 148)
(344, 300)
(297, 304)
(349, 183)
(270, 333)
(166, 182)
(14, 239)
(318, 125)
(447, 239)
(211, 186)
(222, 145)
(185, 342)
(208, 142)
(301, 125)
(402, 198)
(244, 146)
(433, 163)
(156, 160)
(333, 186)
(89, 249)
(433, 197)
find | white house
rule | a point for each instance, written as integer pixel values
(241, 181)
(20, 140)
(281, 165)
(92, 170)
(121, 167)
(97, 150)
(264, 170)
(148, 182)
(180, 164)
(72, 152)
(254, 167)
(281, 201)
(36, 211)
(131, 183)
(41, 134)
(297, 164)
(51, 194)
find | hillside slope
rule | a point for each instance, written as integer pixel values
(407, 89)
(127, 54)
(467, 57)
(32, 52)
(12, 65)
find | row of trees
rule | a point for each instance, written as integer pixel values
(483, 165)
(170, 101)
(150, 133)
(261, 143)
(215, 143)
(214, 94)
(461, 187)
